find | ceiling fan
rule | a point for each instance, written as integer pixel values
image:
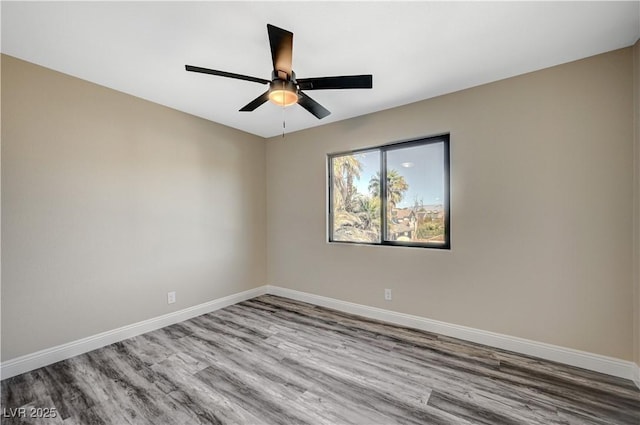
(284, 88)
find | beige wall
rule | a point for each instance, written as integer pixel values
(110, 201)
(541, 190)
(636, 192)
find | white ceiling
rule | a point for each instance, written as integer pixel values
(415, 50)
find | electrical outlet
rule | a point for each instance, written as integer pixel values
(387, 294)
(171, 297)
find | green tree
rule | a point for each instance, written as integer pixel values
(368, 211)
(396, 187)
(345, 169)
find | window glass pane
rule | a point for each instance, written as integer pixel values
(355, 188)
(416, 194)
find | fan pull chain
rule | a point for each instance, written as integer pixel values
(283, 122)
(284, 125)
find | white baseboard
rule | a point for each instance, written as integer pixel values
(595, 362)
(590, 361)
(48, 356)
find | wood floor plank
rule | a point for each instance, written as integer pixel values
(271, 360)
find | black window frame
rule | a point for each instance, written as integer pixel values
(383, 149)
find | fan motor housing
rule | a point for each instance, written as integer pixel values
(279, 84)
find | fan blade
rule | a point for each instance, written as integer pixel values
(312, 106)
(256, 102)
(344, 82)
(281, 42)
(226, 74)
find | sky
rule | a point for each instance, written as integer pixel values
(421, 166)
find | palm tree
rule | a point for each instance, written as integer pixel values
(345, 168)
(396, 187)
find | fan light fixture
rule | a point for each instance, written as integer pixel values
(283, 93)
(283, 97)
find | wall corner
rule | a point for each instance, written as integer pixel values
(636, 206)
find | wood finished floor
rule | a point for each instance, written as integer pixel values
(271, 360)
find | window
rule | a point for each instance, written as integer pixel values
(396, 194)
